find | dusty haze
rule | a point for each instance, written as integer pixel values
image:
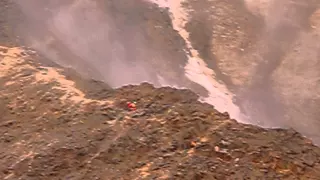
(258, 57)
(80, 35)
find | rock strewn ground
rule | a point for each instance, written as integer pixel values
(50, 129)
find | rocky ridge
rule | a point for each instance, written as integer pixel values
(55, 125)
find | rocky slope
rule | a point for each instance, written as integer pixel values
(55, 125)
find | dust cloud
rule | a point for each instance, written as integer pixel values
(285, 47)
(284, 89)
(81, 35)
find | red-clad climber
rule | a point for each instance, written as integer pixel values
(132, 106)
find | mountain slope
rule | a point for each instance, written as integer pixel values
(55, 125)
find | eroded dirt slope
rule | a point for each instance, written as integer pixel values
(54, 126)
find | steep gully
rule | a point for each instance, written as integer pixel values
(196, 69)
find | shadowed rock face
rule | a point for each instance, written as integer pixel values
(265, 52)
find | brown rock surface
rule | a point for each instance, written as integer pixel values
(50, 129)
